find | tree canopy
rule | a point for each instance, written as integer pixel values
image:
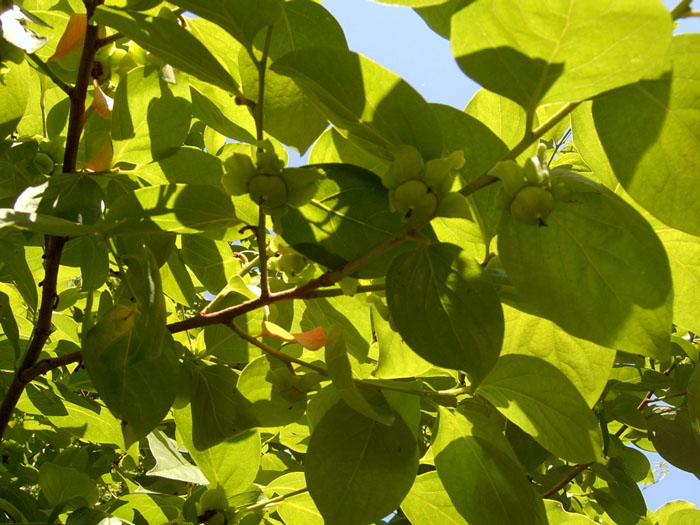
(447, 315)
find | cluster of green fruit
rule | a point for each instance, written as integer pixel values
(526, 191)
(270, 185)
(421, 190)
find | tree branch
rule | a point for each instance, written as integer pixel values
(46, 365)
(54, 245)
(306, 291)
(485, 179)
(681, 10)
(43, 66)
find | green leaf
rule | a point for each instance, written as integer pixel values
(348, 215)
(684, 257)
(177, 208)
(218, 409)
(341, 374)
(585, 364)
(63, 484)
(217, 109)
(151, 117)
(170, 41)
(371, 106)
(14, 269)
(83, 417)
(170, 463)
(8, 322)
(232, 464)
(332, 147)
(18, 169)
(675, 436)
(47, 224)
(396, 359)
(151, 508)
(413, 3)
(212, 262)
(480, 473)
(597, 269)
(243, 18)
(299, 509)
(658, 163)
(566, 53)
(542, 401)
(439, 16)
(358, 470)
(557, 514)
(137, 387)
(429, 504)
(446, 309)
(677, 513)
(306, 24)
(272, 393)
(14, 94)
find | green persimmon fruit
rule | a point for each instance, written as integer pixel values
(291, 263)
(414, 199)
(532, 205)
(269, 191)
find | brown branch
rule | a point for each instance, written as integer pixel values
(54, 245)
(42, 329)
(46, 365)
(306, 291)
(583, 466)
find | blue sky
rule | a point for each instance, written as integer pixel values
(398, 39)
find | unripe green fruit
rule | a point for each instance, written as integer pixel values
(44, 163)
(414, 198)
(291, 263)
(269, 191)
(532, 205)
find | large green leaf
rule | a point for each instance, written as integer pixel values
(170, 463)
(243, 19)
(61, 484)
(557, 514)
(684, 257)
(177, 208)
(429, 504)
(659, 161)
(562, 51)
(370, 105)
(586, 365)
(14, 95)
(298, 509)
(340, 371)
(48, 224)
(136, 386)
(480, 472)
(332, 147)
(542, 401)
(358, 470)
(14, 269)
(675, 436)
(170, 41)
(212, 262)
(446, 309)
(83, 417)
(216, 108)
(271, 391)
(18, 169)
(597, 269)
(233, 463)
(396, 359)
(151, 117)
(218, 409)
(306, 24)
(348, 215)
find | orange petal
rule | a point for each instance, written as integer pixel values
(72, 38)
(311, 339)
(99, 151)
(102, 103)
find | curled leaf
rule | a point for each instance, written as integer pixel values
(70, 47)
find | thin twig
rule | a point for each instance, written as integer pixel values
(44, 67)
(485, 179)
(681, 10)
(46, 365)
(306, 291)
